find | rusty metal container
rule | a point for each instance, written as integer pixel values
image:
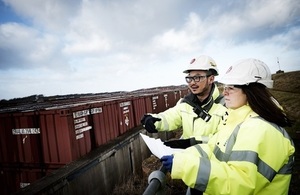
(12, 179)
(126, 115)
(139, 104)
(53, 136)
(105, 122)
(20, 138)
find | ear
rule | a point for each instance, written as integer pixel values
(211, 79)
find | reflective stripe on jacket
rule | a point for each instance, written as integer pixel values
(183, 116)
(247, 156)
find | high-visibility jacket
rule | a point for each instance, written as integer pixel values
(248, 155)
(183, 116)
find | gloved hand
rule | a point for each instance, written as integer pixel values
(148, 122)
(167, 162)
(182, 143)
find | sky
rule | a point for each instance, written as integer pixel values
(55, 47)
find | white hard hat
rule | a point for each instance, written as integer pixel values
(203, 62)
(248, 71)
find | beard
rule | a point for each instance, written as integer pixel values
(204, 91)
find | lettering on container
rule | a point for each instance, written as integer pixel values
(26, 131)
(79, 136)
(125, 110)
(154, 104)
(166, 100)
(81, 125)
(23, 185)
(96, 110)
(82, 113)
(79, 120)
(126, 120)
(125, 104)
(83, 129)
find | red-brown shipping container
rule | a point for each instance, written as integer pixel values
(170, 99)
(149, 104)
(80, 130)
(185, 91)
(12, 180)
(20, 138)
(7, 154)
(126, 115)
(177, 96)
(139, 108)
(105, 121)
(65, 134)
(52, 137)
(159, 102)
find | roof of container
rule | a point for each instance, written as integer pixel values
(40, 102)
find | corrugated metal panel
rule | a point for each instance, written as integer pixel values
(97, 121)
(105, 122)
(160, 102)
(177, 95)
(7, 141)
(12, 180)
(21, 138)
(184, 92)
(139, 109)
(80, 129)
(126, 115)
(56, 138)
(111, 120)
(148, 102)
(52, 137)
(170, 99)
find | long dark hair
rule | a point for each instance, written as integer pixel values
(263, 103)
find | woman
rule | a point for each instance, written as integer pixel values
(251, 153)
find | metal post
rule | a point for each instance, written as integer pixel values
(157, 182)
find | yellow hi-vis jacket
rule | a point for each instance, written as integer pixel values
(183, 116)
(248, 155)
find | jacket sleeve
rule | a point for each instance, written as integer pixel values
(171, 119)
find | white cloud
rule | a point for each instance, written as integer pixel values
(53, 14)
(92, 46)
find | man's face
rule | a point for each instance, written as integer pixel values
(199, 82)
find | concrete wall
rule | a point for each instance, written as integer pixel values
(98, 172)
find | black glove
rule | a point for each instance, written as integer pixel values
(148, 122)
(182, 143)
(167, 162)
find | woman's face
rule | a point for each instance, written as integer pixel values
(234, 97)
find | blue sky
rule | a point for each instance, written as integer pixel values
(55, 47)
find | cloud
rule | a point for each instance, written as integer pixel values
(60, 47)
(257, 20)
(25, 47)
(54, 14)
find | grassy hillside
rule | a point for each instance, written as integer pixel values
(287, 91)
(289, 82)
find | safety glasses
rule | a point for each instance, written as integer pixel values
(196, 78)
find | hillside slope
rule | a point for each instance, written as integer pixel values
(289, 81)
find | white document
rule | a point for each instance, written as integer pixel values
(157, 147)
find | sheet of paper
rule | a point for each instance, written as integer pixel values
(157, 147)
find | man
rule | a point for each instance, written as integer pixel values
(198, 113)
